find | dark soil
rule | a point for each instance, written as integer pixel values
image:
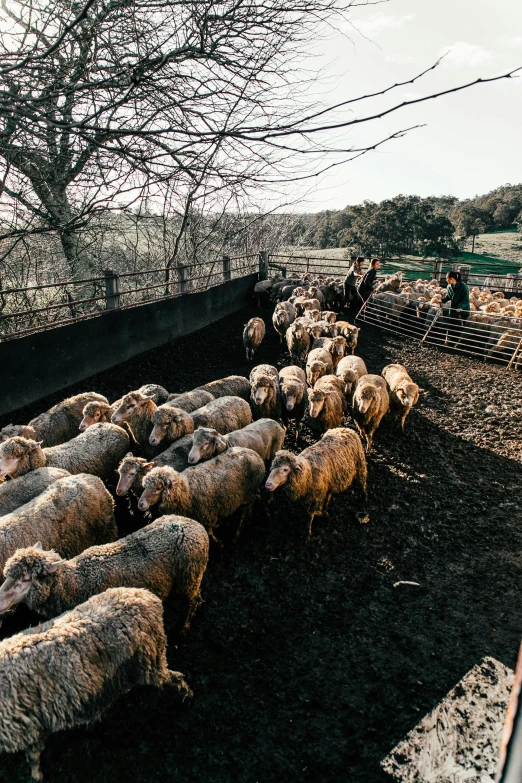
(307, 664)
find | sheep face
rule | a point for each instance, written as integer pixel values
(128, 406)
(315, 315)
(408, 394)
(289, 394)
(364, 396)
(316, 399)
(14, 430)
(314, 371)
(206, 442)
(338, 346)
(12, 451)
(283, 466)
(28, 569)
(128, 469)
(261, 389)
(163, 420)
(329, 316)
(349, 380)
(92, 414)
(315, 331)
(155, 483)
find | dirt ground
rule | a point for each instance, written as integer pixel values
(307, 664)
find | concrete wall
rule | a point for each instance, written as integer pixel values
(40, 364)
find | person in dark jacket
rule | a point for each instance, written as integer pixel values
(368, 283)
(457, 293)
(350, 282)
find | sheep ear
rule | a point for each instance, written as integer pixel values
(298, 468)
(36, 445)
(38, 545)
(52, 567)
(129, 454)
(148, 466)
(146, 399)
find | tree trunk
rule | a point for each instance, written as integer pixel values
(473, 244)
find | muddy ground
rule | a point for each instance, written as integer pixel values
(307, 664)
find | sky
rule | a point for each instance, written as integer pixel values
(472, 140)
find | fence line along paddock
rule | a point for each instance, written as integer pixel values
(484, 336)
(34, 308)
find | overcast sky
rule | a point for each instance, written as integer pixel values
(472, 141)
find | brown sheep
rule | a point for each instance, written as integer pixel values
(328, 329)
(297, 342)
(96, 652)
(170, 423)
(94, 413)
(404, 393)
(21, 490)
(327, 403)
(265, 394)
(350, 333)
(253, 335)
(207, 492)
(283, 316)
(370, 403)
(136, 410)
(232, 386)
(329, 316)
(349, 370)
(319, 363)
(292, 382)
(320, 471)
(224, 414)
(264, 436)
(336, 346)
(167, 557)
(191, 400)
(131, 470)
(98, 450)
(57, 425)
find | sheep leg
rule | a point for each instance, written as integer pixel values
(308, 536)
(214, 538)
(246, 510)
(177, 682)
(33, 754)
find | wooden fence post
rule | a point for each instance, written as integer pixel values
(437, 270)
(226, 268)
(112, 289)
(263, 264)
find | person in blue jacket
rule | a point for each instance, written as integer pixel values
(457, 293)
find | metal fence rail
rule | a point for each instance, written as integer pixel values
(492, 337)
(35, 308)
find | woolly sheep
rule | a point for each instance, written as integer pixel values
(232, 386)
(403, 392)
(21, 490)
(264, 436)
(96, 652)
(265, 394)
(95, 413)
(136, 411)
(292, 382)
(191, 400)
(282, 318)
(298, 342)
(169, 423)
(350, 334)
(327, 403)
(313, 315)
(315, 293)
(349, 370)
(131, 470)
(328, 329)
(73, 513)
(253, 335)
(207, 492)
(319, 363)
(329, 316)
(370, 403)
(224, 414)
(97, 450)
(167, 557)
(320, 471)
(336, 346)
(57, 425)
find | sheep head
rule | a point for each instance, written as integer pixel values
(338, 346)
(128, 469)
(364, 397)
(349, 380)
(23, 570)
(315, 370)
(129, 405)
(316, 398)
(155, 483)
(13, 450)
(93, 413)
(262, 388)
(22, 430)
(283, 466)
(407, 393)
(171, 421)
(206, 443)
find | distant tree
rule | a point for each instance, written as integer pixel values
(470, 221)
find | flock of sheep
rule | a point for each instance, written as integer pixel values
(493, 329)
(204, 455)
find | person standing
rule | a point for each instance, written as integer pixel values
(457, 293)
(350, 282)
(369, 282)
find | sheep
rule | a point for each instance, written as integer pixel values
(97, 450)
(298, 342)
(282, 318)
(232, 386)
(327, 403)
(207, 492)
(329, 316)
(136, 410)
(320, 471)
(264, 436)
(313, 315)
(158, 393)
(224, 414)
(253, 335)
(131, 469)
(310, 304)
(57, 425)
(328, 329)
(336, 346)
(319, 363)
(94, 413)
(292, 382)
(403, 393)
(96, 652)
(191, 400)
(21, 490)
(315, 293)
(370, 403)
(170, 423)
(265, 394)
(330, 294)
(72, 514)
(167, 557)
(350, 334)
(349, 370)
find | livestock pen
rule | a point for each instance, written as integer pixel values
(306, 663)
